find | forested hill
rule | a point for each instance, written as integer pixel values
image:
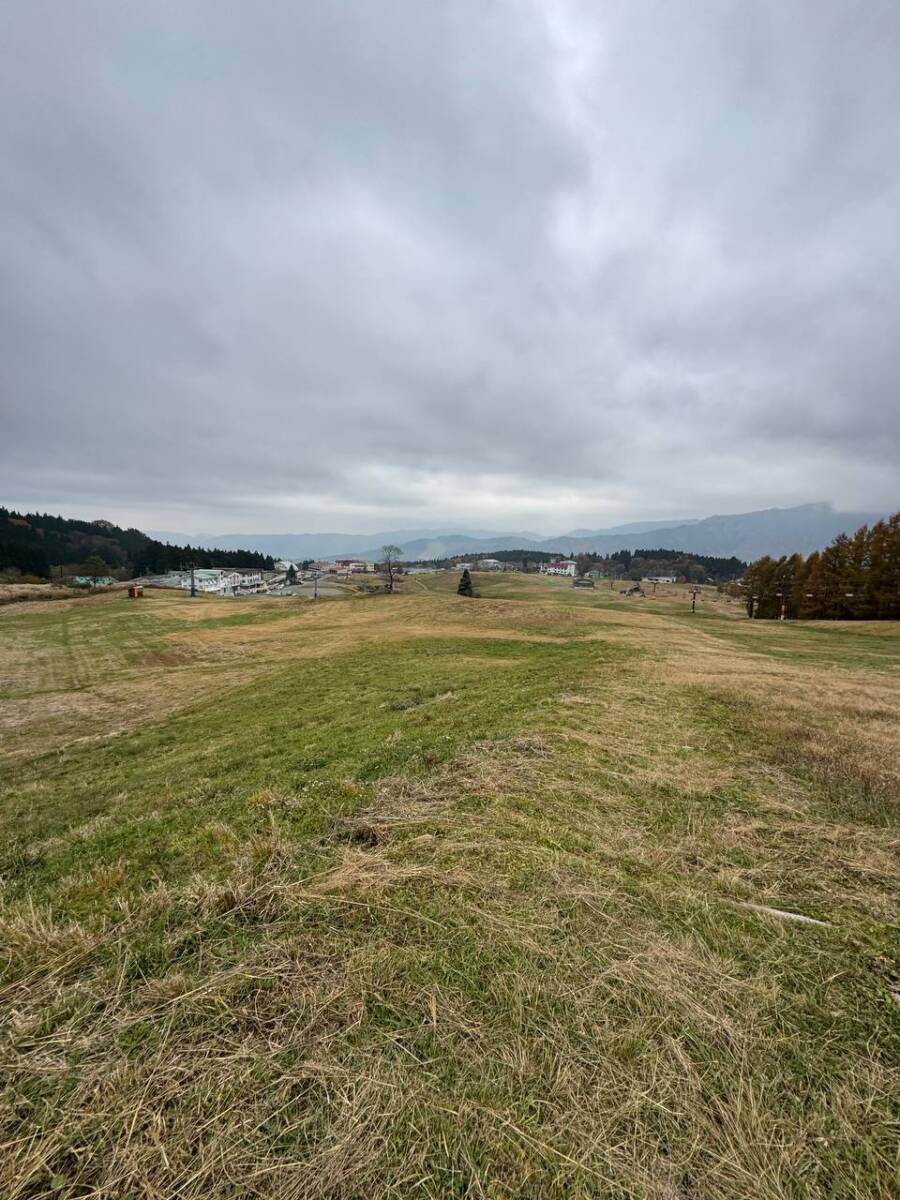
(36, 542)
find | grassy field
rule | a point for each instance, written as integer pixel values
(419, 896)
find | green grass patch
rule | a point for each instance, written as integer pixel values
(461, 915)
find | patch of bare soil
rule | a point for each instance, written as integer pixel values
(166, 658)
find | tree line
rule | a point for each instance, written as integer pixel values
(856, 578)
(521, 559)
(683, 564)
(623, 564)
(38, 543)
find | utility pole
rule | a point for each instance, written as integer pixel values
(315, 585)
(193, 581)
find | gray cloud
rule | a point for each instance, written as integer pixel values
(305, 265)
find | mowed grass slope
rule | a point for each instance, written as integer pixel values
(416, 896)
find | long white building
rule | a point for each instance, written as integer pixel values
(216, 581)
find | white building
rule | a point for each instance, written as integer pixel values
(564, 566)
(354, 566)
(661, 579)
(218, 581)
(213, 581)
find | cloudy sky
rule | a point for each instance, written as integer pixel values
(344, 264)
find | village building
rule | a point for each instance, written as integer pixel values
(563, 566)
(354, 566)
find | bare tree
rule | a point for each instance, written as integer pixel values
(390, 556)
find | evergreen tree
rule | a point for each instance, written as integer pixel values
(94, 568)
(30, 560)
(465, 584)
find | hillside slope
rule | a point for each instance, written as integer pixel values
(34, 543)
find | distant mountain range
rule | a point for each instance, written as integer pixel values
(748, 536)
(300, 546)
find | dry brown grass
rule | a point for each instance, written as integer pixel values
(28, 597)
(39, 723)
(846, 725)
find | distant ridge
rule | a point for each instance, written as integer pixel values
(632, 527)
(302, 546)
(775, 531)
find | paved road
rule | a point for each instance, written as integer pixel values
(326, 588)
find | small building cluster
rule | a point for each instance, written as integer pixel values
(91, 580)
(337, 566)
(484, 564)
(216, 581)
(345, 566)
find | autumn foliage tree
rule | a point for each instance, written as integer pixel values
(856, 578)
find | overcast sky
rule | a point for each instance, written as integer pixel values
(291, 265)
